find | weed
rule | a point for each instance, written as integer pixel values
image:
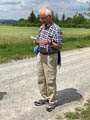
(72, 116)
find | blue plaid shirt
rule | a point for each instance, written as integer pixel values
(50, 32)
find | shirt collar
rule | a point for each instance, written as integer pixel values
(47, 26)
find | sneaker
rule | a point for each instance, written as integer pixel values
(50, 107)
(41, 102)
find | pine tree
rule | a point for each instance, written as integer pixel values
(32, 17)
(63, 18)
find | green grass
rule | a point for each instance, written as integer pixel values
(72, 115)
(75, 38)
(80, 114)
(15, 42)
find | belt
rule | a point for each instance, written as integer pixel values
(47, 53)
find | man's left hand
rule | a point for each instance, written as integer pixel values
(45, 41)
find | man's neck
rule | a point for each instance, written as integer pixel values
(48, 23)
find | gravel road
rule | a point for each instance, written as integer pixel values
(18, 87)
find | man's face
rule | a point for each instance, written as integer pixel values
(45, 19)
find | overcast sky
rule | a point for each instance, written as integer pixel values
(16, 9)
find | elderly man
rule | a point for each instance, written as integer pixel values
(49, 42)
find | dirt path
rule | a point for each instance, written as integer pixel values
(18, 86)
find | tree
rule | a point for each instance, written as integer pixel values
(88, 13)
(56, 18)
(69, 20)
(63, 17)
(79, 18)
(32, 17)
(53, 16)
(38, 19)
(21, 19)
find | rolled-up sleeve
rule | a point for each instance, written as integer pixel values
(58, 37)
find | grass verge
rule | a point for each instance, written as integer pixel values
(15, 42)
(79, 114)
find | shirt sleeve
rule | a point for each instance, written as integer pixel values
(39, 32)
(58, 37)
(38, 35)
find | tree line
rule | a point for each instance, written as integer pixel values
(78, 20)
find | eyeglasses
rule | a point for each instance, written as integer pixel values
(44, 18)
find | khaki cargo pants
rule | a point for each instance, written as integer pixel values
(46, 71)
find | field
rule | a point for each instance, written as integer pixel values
(15, 42)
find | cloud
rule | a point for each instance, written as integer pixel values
(10, 3)
(43, 4)
(17, 5)
(21, 8)
(84, 1)
(2, 8)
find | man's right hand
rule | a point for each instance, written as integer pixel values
(35, 43)
(34, 40)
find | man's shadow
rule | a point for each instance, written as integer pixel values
(2, 95)
(68, 95)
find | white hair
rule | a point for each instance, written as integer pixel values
(47, 12)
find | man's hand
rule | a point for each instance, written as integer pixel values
(35, 43)
(55, 45)
(34, 40)
(45, 41)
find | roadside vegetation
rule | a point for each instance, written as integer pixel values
(15, 42)
(78, 20)
(79, 114)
